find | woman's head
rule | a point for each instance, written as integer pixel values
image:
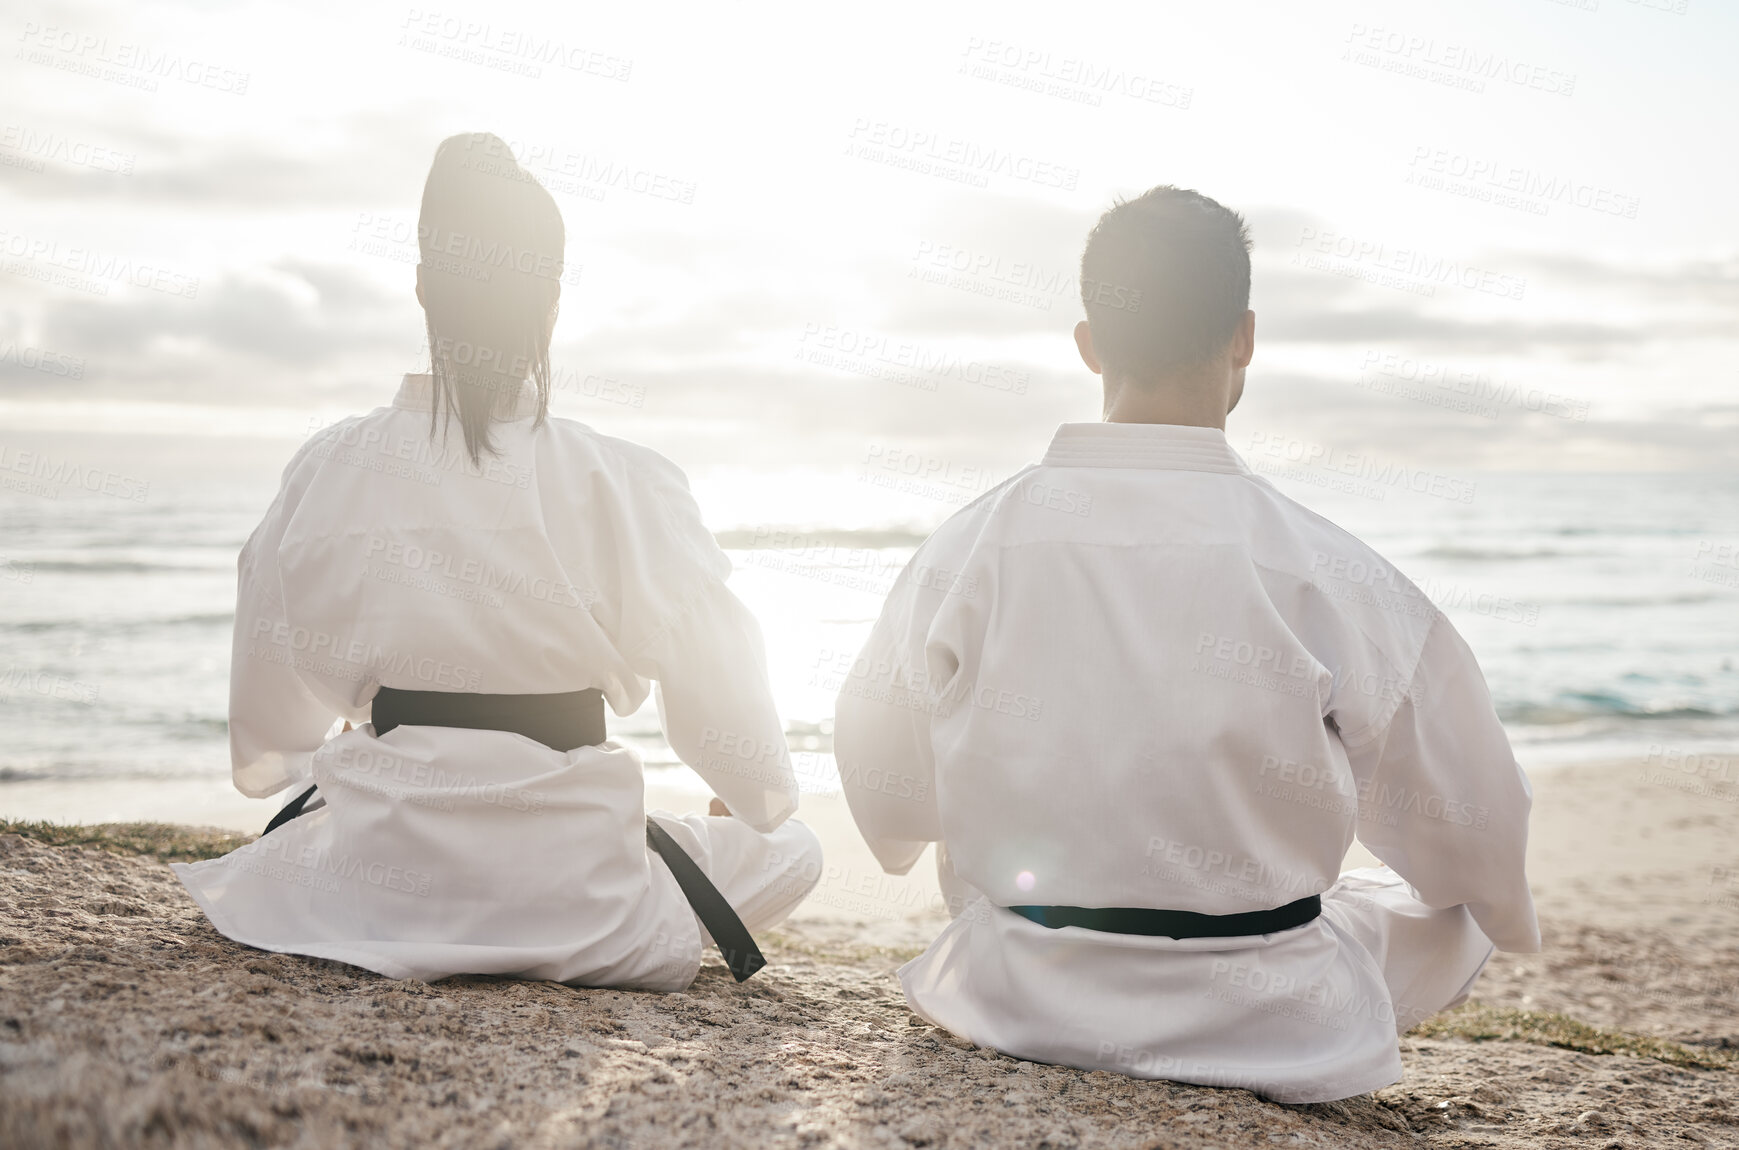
(491, 241)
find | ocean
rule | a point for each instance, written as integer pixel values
(1604, 609)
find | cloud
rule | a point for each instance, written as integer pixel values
(369, 157)
(293, 315)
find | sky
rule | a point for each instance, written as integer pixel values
(816, 254)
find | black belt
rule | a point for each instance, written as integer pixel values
(561, 722)
(1175, 923)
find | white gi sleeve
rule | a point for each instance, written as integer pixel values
(705, 650)
(275, 722)
(881, 727)
(1442, 799)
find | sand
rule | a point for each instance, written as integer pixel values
(126, 1020)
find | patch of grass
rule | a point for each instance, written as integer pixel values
(166, 841)
(1488, 1023)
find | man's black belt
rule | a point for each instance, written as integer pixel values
(561, 722)
(1175, 923)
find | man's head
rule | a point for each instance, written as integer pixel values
(1165, 280)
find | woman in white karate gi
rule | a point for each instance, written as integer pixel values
(490, 576)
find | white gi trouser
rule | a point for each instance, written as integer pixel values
(1302, 1015)
(443, 851)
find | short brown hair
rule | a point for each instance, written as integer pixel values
(1165, 279)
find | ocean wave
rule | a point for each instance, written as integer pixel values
(1676, 599)
(1579, 708)
(1495, 554)
(104, 772)
(124, 566)
(37, 626)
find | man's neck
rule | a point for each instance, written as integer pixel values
(1185, 406)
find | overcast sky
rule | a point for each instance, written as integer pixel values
(1488, 234)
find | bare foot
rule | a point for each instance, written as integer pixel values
(717, 809)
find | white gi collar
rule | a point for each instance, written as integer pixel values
(416, 393)
(1165, 446)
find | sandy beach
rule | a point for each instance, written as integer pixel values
(126, 1020)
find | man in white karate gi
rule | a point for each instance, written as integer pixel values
(1146, 739)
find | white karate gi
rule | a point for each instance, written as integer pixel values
(1136, 675)
(569, 561)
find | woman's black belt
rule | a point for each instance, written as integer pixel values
(561, 722)
(1175, 923)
